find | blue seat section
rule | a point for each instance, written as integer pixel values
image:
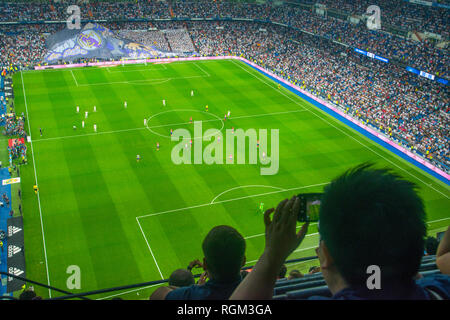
(306, 278)
(309, 292)
(4, 215)
(315, 285)
(298, 286)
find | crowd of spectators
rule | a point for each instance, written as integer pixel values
(18, 151)
(179, 40)
(424, 56)
(408, 16)
(13, 125)
(151, 38)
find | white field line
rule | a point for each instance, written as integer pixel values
(147, 69)
(131, 291)
(248, 186)
(149, 81)
(150, 249)
(89, 134)
(429, 222)
(207, 74)
(311, 224)
(298, 227)
(99, 68)
(196, 61)
(165, 125)
(75, 79)
(37, 185)
(229, 200)
(339, 129)
(153, 83)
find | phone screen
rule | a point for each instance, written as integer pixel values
(313, 209)
(309, 207)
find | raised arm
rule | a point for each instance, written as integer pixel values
(281, 240)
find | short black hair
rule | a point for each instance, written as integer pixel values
(181, 278)
(431, 245)
(27, 295)
(295, 274)
(313, 268)
(224, 250)
(372, 216)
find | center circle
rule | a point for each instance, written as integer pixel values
(150, 128)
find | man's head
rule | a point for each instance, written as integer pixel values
(27, 295)
(295, 274)
(369, 217)
(224, 251)
(181, 278)
(314, 269)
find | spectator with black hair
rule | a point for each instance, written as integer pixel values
(314, 269)
(224, 256)
(368, 217)
(181, 278)
(294, 274)
(28, 294)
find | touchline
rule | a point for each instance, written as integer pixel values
(190, 150)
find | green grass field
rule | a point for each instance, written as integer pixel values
(124, 222)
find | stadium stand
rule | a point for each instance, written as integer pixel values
(311, 50)
(147, 37)
(179, 40)
(396, 102)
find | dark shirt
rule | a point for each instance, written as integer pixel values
(211, 290)
(416, 290)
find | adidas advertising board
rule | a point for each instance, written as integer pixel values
(16, 257)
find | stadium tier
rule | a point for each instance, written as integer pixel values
(141, 136)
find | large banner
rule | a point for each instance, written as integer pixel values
(95, 41)
(16, 256)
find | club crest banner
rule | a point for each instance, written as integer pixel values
(96, 41)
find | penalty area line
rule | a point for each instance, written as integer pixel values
(149, 248)
(230, 200)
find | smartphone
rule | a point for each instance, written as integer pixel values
(309, 207)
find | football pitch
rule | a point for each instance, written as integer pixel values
(123, 221)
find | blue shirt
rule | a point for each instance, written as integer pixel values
(211, 290)
(416, 290)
